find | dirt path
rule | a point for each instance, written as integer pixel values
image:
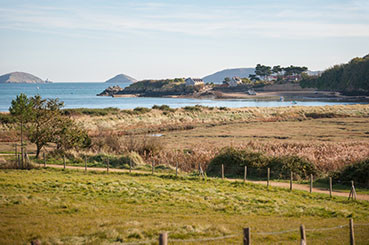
(276, 184)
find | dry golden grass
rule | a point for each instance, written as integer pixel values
(337, 136)
(157, 120)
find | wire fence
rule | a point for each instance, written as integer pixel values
(208, 239)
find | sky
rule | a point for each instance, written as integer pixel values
(92, 41)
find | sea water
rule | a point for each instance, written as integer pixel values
(83, 95)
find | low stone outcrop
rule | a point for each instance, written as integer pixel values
(110, 91)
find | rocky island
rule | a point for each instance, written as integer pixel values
(21, 77)
(155, 88)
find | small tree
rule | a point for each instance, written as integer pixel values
(42, 125)
(69, 135)
(21, 108)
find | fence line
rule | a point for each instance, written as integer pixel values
(204, 239)
(352, 194)
(240, 234)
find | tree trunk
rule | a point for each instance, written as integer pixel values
(38, 150)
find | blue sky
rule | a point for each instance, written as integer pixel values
(95, 40)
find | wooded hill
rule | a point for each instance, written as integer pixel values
(351, 78)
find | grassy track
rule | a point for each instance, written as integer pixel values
(58, 206)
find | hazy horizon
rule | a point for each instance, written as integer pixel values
(74, 41)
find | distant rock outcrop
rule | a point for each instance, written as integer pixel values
(219, 76)
(110, 91)
(21, 77)
(121, 78)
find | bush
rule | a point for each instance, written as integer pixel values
(193, 108)
(316, 115)
(163, 108)
(235, 160)
(141, 110)
(91, 111)
(358, 172)
(118, 162)
(6, 118)
(281, 167)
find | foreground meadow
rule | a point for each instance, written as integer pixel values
(72, 207)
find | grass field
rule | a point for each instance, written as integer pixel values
(73, 207)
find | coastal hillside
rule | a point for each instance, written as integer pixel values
(121, 78)
(162, 87)
(351, 78)
(21, 77)
(219, 76)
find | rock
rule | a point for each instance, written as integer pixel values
(110, 91)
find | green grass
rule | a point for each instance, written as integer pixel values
(73, 207)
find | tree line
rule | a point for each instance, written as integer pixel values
(264, 71)
(43, 122)
(352, 77)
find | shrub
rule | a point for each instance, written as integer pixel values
(316, 115)
(235, 160)
(141, 110)
(358, 172)
(162, 107)
(91, 111)
(281, 167)
(193, 108)
(118, 162)
(6, 118)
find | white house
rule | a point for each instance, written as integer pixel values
(234, 82)
(194, 81)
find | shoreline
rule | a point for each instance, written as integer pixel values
(325, 96)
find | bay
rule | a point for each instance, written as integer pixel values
(83, 95)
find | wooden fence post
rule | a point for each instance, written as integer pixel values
(246, 236)
(107, 165)
(291, 179)
(245, 174)
(86, 163)
(352, 235)
(152, 167)
(19, 161)
(163, 238)
(65, 165)
(311, 183)
(268, 177)
(222, 171)
(130, 165)
(26, 160)
(330, 186)
(44, 155)
(303, 235)
(176, 169)
(353, 187)
(352, 191)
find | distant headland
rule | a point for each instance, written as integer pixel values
(345, 82)
(21, 77)
(121, 78)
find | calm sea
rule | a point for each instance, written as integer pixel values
(78, 95)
